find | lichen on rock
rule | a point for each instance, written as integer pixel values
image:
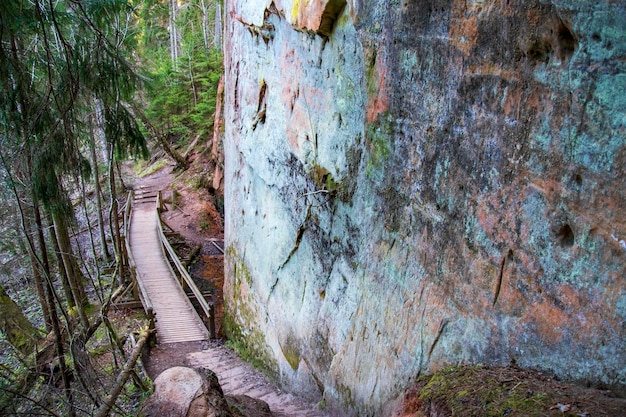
(430, 183)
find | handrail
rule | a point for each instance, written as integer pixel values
(143, 293)
(206, 308)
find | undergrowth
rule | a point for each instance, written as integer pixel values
(477, 391)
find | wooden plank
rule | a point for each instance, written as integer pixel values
(177, 321)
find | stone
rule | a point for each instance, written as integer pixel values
(428, 183)
(186, 392)
(245, 406)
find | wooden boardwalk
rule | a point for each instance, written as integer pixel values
(176, 319)
(181, 334)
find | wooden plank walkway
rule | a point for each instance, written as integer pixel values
(176, 319)
(180, 323)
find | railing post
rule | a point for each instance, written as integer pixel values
(135, 286)
(151, 326)
(185, 278)
(212, 316)
(131, 264)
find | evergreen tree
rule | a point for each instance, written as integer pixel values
(182, 92)
(56, 58)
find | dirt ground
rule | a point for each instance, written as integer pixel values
(476, 391)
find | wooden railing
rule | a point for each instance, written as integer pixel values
(207, 308)
(141, 292)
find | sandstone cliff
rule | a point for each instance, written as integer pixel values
(412, 184)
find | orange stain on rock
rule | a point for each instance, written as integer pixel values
(378, 101)
(464, 30)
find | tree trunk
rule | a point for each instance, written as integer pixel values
(174, 35)
(18, 330)
(205, 24)
(98, 288)
(74, 276)
(37, 273)
(114, 221)
(65, 283)
(98, 190)
(99, 129)
(120, 177)
(218, 26)
(51, 299)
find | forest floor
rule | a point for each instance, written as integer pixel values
(467, 391)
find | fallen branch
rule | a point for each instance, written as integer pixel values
(109, 401)
(191, 146)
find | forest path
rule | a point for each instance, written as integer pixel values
(236, 377)
(176, 319)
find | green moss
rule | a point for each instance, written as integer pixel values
(142, 169)
(371, 76)
(379, 139)
(247, 345)
(343, 19)
(205, 221)
(324, 179)
(240, 269)
(199, 182)
(478, 391)
(346, 393)
(240, 321)
(291, 350)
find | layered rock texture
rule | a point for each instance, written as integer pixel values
(413, 184)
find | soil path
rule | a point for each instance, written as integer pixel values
(193, 215)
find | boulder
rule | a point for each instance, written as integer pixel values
(186, 392)
(244, 406)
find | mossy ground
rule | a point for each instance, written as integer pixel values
(476, 391)
(145, 168)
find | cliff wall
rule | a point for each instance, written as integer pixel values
(412, 184)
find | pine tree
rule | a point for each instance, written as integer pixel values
(55, 59)
(181, 94)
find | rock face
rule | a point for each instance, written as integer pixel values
(412, 184)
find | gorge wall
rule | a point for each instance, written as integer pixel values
(412, 184)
